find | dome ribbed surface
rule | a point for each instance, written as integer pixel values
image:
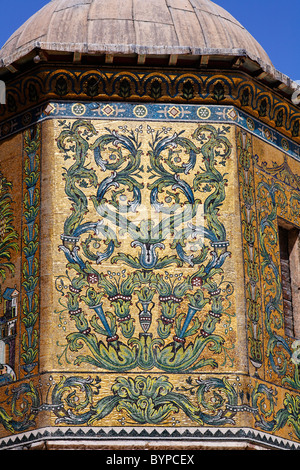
(133, 26)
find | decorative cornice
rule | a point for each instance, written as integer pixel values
(152, 86)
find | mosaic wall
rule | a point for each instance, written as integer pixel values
(124, 305)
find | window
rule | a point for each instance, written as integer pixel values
(289, 244)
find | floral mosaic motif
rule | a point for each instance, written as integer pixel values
(152, 400)
(30, 270)
(24, 402)
(8, 234)
(144, 400)
(192, 300)
(251, 252)
(274, 201)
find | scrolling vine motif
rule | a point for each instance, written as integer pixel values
(168, 181)
(213, 401)
(278, 196)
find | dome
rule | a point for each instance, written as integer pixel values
(142, 27)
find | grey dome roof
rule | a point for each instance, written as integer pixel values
(195, 27)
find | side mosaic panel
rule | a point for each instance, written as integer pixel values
(9, 290)
(203, 87)
(269, 190)
(19, 265)
(31, 248)
(251, 250)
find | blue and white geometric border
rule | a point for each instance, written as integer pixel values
(144, 112)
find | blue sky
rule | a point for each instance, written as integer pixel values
(274, 23)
